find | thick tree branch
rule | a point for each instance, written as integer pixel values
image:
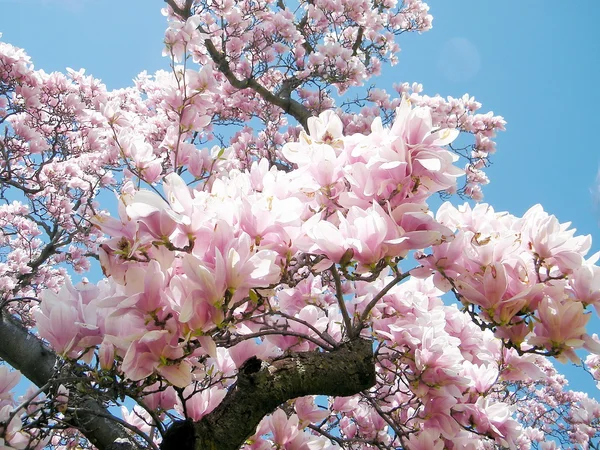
(184, 12)
(288, 104)
(345, 371)
(285, 102)
(358, 41)
(27, 353)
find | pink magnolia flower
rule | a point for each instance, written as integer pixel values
(370, 235)
(327, 128)
(239, 353)
(146, 163)
(561, 327)
(69, 320)
(491, 294)
(308, 411)
(106, 354)
(425, 440)
(284, 429)
(553, 241)
(8, 380)
(199, 404)
(235, 258)
(13, 436)
(493, 419)
(585, 282)
(198, 304)
(267, 220)
(592, 362)
(156, 351)
(325, 139)
(419, 228)
(160, 398)
(520, 367)
(416, 125)
(145, 287)
(325, 237)
(482, 377)
(138, 417)
(156, 216)
(437, 410)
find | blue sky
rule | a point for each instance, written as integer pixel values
(534, 62)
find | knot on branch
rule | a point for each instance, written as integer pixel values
(179, 436)
(261, 387)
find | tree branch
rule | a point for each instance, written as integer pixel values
(358, 41)
(345, 371)
(285, 102)
(342, 303)
(184, 12)
(397, 279)
(27, 353)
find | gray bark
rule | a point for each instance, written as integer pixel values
(343, 372)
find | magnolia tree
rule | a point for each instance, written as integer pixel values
(273, 277)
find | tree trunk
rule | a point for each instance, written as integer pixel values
(346, 371)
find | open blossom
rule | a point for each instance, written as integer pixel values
(585, 283)
(157, 351)
(202, 403)
(307, 411)
(553, 241)
(407, 160)
(284, 429)
(370, 235)
(8, 380)
(138, 417)
(373, 234)
(146, 163)
(493, 418)
(561, 326)
(425, 440)
(11, 428)
(482, 377)
(495, 299)
(324, 130)
(70, 319)
(593, 364)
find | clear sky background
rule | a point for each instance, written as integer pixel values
(535, 62)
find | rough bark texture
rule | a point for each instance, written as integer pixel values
(343, 372)
(27, 353)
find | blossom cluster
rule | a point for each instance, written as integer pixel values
(527, 278)
(53, 162)
(251, 264)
